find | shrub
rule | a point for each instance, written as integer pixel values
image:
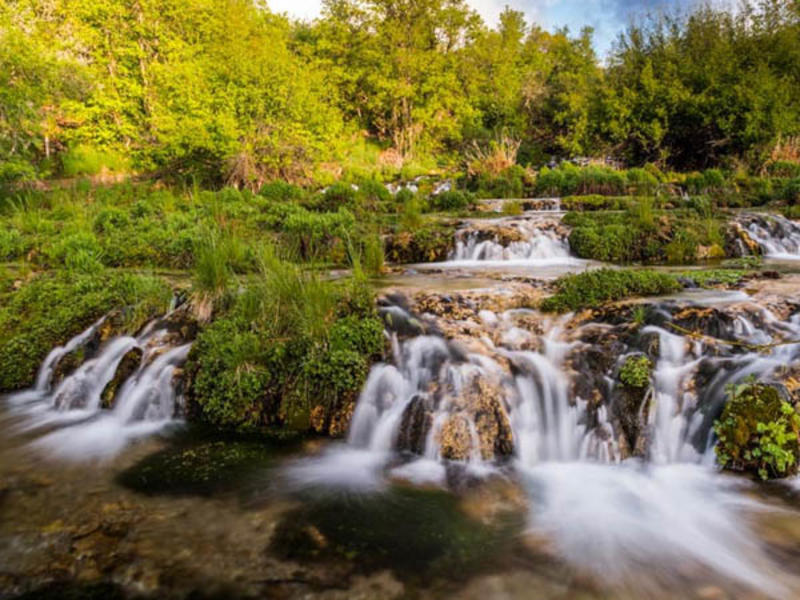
(281, 191)
(635, 371)
(449, 201)
(88, 160)
(293, 352)
(791, 192)
(339, 195)
(758, 432)
(782, 168)
(593, 288)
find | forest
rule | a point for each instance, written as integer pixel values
(229, 93)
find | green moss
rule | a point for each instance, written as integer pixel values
(635, 372)
(290, 353)
(758, 432)
(593, 288)
(51, 309)
(203, 467)
(709, 278)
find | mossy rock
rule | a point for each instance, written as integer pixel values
(758, 432)
(127, 366)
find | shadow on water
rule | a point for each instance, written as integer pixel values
(417, 533)
(199, 462)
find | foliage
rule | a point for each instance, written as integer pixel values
(293, 351)
(451, 201)
(642, 234)
(758, 431)
(635, 371)
(596, 287)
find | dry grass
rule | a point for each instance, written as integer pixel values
(493, 159)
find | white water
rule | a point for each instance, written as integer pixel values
(778, 237)
(540, 243)
(670, 517)
(69, 415)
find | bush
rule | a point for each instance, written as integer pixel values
(281, 191)
(758, 432)
(87, 160)
(791, 192)
(635, 372)
(595, 202)
(339, 195)
(449, 201)
(593, 288)
(782, 168)
(293, 352)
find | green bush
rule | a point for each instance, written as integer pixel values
(791, 192)
(635, 371)
(339, 195)
(280, 191)
(758, 432)
(453, 200)
(292, 352)
(784, 169)
(597, 287)
(88, 160)
(594, 202)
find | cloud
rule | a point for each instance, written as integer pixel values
(607, 17)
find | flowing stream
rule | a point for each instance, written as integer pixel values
(69, 411)
(617, 493)
(778, 236)
(536, 238)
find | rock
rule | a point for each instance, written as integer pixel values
(127, 366)
(415, 425)
(455, 441)
(738, 242)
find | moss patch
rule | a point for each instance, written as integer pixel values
(758, 432)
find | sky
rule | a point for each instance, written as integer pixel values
(607, 17)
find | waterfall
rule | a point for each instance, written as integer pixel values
(778, 236)
(69, 412)
(610, 517)
(533, 238)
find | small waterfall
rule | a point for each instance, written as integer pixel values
(778, 236)
(69, 412)
(532, 238)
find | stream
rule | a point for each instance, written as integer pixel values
(493, 453)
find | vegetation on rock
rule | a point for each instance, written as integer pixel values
(758, 432)
(596, 287)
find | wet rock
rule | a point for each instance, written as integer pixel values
(415, 426)
(126, 368)
(455, 441)
(486, 403)
(738, 242)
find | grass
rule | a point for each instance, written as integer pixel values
(601, 286)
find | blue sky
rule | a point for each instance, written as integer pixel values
(607, 17)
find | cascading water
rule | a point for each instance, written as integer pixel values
(534, 238)
(69, 412)
(778, 236)
(609, 516)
